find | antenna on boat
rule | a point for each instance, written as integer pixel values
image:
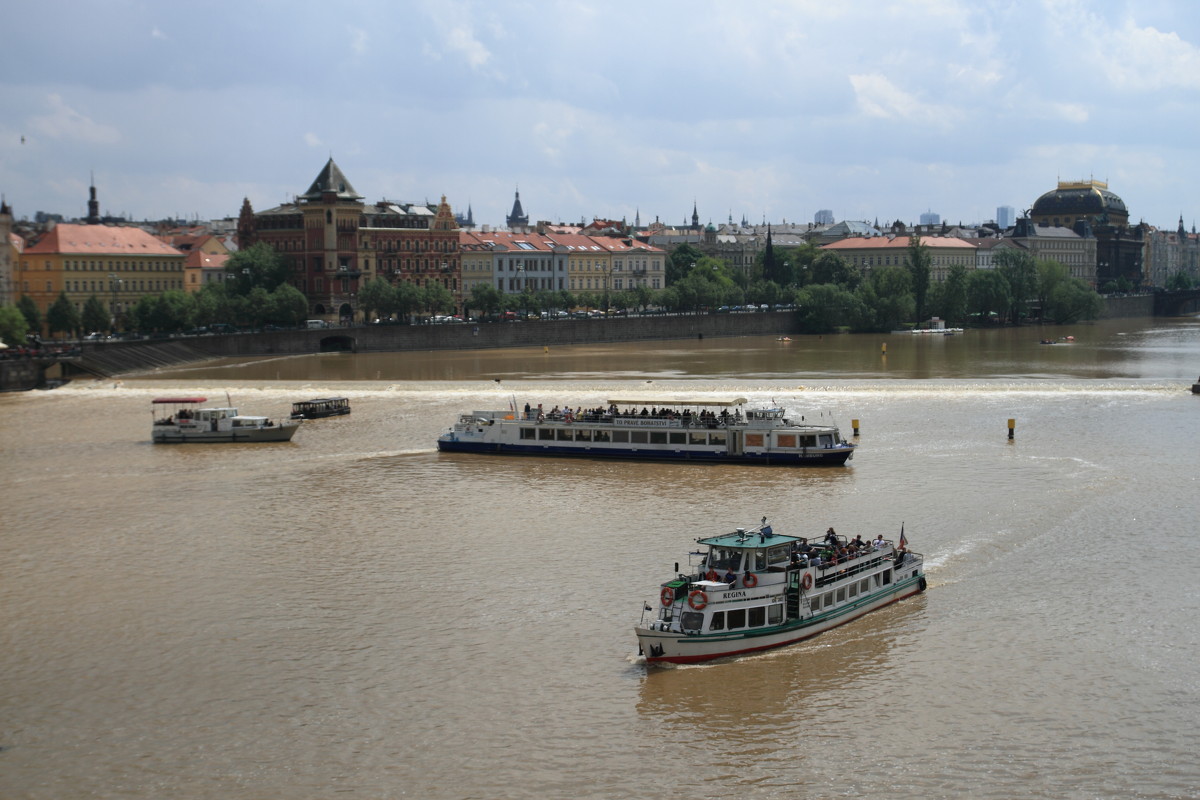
(228, 400)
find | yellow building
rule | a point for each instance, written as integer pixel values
(117, 264)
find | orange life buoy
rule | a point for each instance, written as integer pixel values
(697, 600)
(750, 581)
(712, 575)
(806, 583)
(667, 596)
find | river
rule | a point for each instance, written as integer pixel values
(353, 614)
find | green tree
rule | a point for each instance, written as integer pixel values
(62, 317)
(642, 296)
(289, 306)
(830, 267)
(485, 298)
(886, 298)
(919, 264)
(256, 266)
(952, 295)
(95, 316)
(29, 309)
(1020, 271)
(436, 299)
(987, 294)
(680, 262)
(1179, 280)
(825, 307)
(1072, 300)
(13, 325)
(375, 297)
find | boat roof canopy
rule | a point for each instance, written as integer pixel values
(671, 401)
(747, 540)
(179, 400)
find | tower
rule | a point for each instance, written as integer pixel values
(93, 217)
(518, 218)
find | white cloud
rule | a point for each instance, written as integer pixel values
(312, 140)
(878, 97)
(463, 41)
(64, 122)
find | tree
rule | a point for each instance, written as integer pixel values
(95, 316)
(987, 294)
(1179, 280)
(409, 298)
(375, 295)
(289, 306)
(680, 262)
(437, 299)
(831, 268)
(1073, 300)
(485, 298)
(886, 298)
(29, 310)
(256, 266)
(13, 325)
(919, 264)
(62, 316)
(1020, 271)
(825, 307)
(952, 295)
(642, 296)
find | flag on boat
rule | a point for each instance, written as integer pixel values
(903, 539)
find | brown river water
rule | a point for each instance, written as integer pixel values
(353, 614)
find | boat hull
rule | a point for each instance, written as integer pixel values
(835, 456)
(666, 647)
(276, 433)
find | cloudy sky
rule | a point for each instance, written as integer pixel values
(764, 110)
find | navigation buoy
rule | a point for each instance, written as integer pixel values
(1012, 427)
(854, 424)
(884, 351)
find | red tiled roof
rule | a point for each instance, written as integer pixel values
(203, 260)
(70, 239)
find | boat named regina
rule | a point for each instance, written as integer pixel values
(755, 589)
(676, 430)
(182, 420)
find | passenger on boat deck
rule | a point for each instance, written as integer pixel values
(730, 578)
(816, 560)
(857, 541)
(879, 542)
(831, 536)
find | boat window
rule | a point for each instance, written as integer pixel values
(826, 440)
(717, 437)
(726, 559)
(620, 436)
(887, 576)
(583, 435)
(678, 437)
(736, 618)
(854, 590)
(658, 437)
(754, 440)
(600, 436)
(878, 579)
(865, 586)
(760, 560)
(697, 438)
(638, 437)
(758, 616)
(808, 440)
(785, 439)
(775, 614)
(828, 599)
(841, 594)
(546, 433)
(691, 620)
(528, 433)
(565, 435)
(717, 623)
(780, 554)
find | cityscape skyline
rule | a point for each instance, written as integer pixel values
(869, 110)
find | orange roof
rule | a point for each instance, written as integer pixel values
(897, 243)
(203, 260)
(71, 239)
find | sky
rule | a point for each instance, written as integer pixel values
(768, 111)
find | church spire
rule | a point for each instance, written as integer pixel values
(93, 217)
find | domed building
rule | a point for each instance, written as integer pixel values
(1089, 208)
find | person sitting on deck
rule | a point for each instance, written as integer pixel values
(831, 537)
(879, 542)
(730, 578)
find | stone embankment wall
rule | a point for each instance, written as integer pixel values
(1141, 305)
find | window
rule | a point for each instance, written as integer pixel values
(545, 434)
(620, 436)
(697, 438)
(638, 437)
(658, 437)
(754, 440)
(583, 435)
(829, 600)
(600, 436)
(775, 614)
(786, 439)
(758, 616)
(717, 623)
(528, 433)
(691, 620)
(717, 438)
(736, 619)
(564, 435)
(677, 437)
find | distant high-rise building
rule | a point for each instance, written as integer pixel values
(930, 218)
(1005, 217)
(823, 217)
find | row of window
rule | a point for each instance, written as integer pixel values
(590, 435)
(772, 614)
(110, 266)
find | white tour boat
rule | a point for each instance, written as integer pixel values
(179, 420)
(669, 430)
(755, 589)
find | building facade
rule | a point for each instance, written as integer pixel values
(1119, 246)
(871, 253)
(334, 242)
(11, 246)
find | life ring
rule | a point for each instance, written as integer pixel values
(667, 596)
(750, 580)
(712, 575)
(806, 581)
(697, 600)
